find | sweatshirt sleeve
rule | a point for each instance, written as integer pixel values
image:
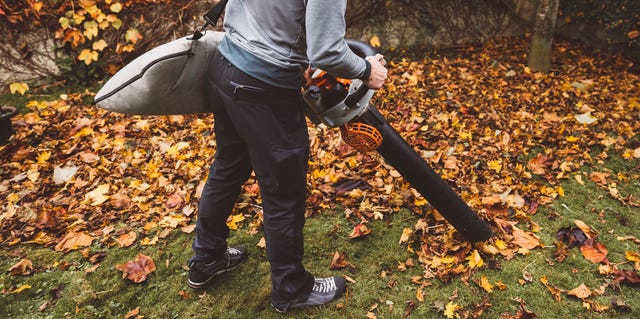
(326, 48)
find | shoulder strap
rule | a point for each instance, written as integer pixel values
(214, 14)
(211, 18)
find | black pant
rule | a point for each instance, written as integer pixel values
(261, 128)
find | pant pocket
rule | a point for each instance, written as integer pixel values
(290, 168)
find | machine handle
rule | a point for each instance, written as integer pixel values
(363, 50)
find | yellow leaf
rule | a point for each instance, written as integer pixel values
(37, 6)
(98, 195)
(495, 165)
(406, 234)
(233, 221)
(420, 294)
(485, 284)
(90, 29)
(116, 7)
(632, 256)
(116, 23)
(18, 87)
(99, 45)
(375, 42)
(450, 310)
(20, 289)
(64, 22)
(133, 35)
(88, 56)
(419, 201)
(475, 261)
(86, 3)
(633, 34)
(43, 157)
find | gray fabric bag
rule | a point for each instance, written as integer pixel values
(169, 79)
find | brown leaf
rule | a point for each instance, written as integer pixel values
(581, 292)
(339, 261)
(538, 164)
(74, 240)
(174, 200)
(137, 270)
(599, 178)
(23, 267)
(557, 293)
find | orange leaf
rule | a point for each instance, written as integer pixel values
(594, 252)
(137, 270)
(359, 231)
(126, 240)
(524, 239)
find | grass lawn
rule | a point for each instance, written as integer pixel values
(59, 286)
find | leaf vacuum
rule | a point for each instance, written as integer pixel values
(346, 104)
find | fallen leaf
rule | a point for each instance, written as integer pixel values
(127, 239)
(21, 289)
(485, 284)
(137, 270)
(374, 41)
(233, 220)
(98, 195)
(74, 240)
(339, 261)
(62, 175)
(23, 267)
(406, 235)
(359, 231)
(475, 260)
(133, 313)
(581, 292)
(586, 118)
(524, 239)
(593, 251)
(450, 310)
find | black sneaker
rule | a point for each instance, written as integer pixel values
(201, 273)
(324, 290)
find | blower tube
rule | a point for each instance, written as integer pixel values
(399, 154)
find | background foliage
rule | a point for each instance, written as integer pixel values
(88, 39)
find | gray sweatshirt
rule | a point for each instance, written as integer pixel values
(275, 40)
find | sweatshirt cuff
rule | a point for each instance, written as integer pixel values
(367, 71)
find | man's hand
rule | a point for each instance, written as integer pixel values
(378, 72)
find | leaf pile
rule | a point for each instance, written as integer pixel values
(502, 135)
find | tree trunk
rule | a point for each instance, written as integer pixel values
(543, 27)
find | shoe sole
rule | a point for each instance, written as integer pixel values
(195, 285)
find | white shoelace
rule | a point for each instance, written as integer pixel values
(324, 285)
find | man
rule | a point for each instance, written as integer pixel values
(254, 88)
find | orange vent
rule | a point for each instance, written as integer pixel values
(361, 136)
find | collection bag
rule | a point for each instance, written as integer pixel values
(167, 80)
(170, 79)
